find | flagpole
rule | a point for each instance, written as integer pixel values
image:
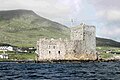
(71, 22)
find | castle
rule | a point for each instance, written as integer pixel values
(81, 46)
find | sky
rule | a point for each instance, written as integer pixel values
(104, 14)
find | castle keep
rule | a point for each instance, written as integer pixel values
(81, 46)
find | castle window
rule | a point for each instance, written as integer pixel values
(74, 51)
(49, 47)
(49, 52)
(58, 52)
(53, 47)
(84, 33)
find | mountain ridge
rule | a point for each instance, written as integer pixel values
(107, 42)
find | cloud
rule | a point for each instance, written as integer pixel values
(109, 15)
(105, 4)
(107, 9)
(112, 32)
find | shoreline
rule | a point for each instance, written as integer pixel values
(60, 61)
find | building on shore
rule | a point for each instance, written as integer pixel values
(6, 47)
(4, 56)
(80, 46)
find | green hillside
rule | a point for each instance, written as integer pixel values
(107, 42)
(24, 28)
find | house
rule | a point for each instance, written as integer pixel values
(6, 47)
(25, 49)
(108, 51)
(4, 56)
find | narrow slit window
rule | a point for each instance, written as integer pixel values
(74, 51)
(58, 52)
(54, 47)
(49, 47)
(49, 52)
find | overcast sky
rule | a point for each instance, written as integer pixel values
(104, 14)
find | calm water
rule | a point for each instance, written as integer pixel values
(60, 71)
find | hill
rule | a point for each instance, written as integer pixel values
(107, 42)
(24, 28)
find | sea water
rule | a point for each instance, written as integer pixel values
(60, 71)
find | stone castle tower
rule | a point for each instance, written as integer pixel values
(84, 38)
(81, 46)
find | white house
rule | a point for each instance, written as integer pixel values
(4, 56)
(6, 48)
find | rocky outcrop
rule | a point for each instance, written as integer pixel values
(81, 56)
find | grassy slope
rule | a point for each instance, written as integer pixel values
(107, 42)
(22, 56)
(28, 28)
(104, 55)
(19, 56)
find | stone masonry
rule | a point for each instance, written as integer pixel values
(81, 46)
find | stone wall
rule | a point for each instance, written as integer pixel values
(77, 33)
(53, 49)
(89, 41)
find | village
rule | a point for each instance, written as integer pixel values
(12, 53)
